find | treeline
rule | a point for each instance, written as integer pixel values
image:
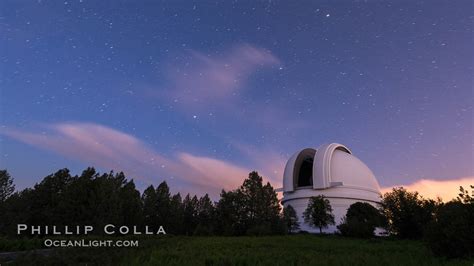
(99, 199)
(252, 209)
(447, 228)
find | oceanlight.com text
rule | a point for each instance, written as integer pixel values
(87, 243)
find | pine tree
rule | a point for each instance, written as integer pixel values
(131, 204)
(205, 216)
(6, 185)
(190, 212)
(150, 212)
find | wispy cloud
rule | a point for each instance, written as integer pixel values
(94, 144)
(108, 148)
(445, 189)
(212, 172)
(206, 78)
(111, 149)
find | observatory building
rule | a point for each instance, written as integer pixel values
(332, 171)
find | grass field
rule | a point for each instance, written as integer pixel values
(272, 250)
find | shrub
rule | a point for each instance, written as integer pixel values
(451, 234)
(361, 220)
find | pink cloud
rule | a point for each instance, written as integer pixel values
(95, 144)
(205, 78)
(445, 189)
(213, 172)
(108, 148)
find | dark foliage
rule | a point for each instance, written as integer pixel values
(290, 219)
(451, 234)
(6, 185)
(252, 209)
(6, 191)
(319, 213)
(361, 220)
(99, 199)
(407, 213)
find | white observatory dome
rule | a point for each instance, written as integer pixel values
(331, 171)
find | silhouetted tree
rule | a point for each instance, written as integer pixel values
(190, 213)
(205, 216)
(260, 204)
(407, 213)
(272, 209)
(163, 199)
(251, 209)
(230, 213)
(361, 220)
(16, 210)
(98, 199)
(78, 206)
(6, 185)
(176, 215)
(6, 190)
(451, 233)
(105, 202)
(131, 204)
(290, 219)
(319, 213)
(150, 212)
(464, 196)
(47, 199)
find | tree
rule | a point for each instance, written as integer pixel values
(150, 212)
(205, 216)
(163, 199)
(290, 219)
(6, 190)
(176, 215)
(190, 213)
(16, 210)
(131, 204)
(105, 203)
(6, 185)
(230, 213)
(319, 213)
(360, 220)
(464, 196)
(407, 213)
(79, 201)
(253, 208)
(451, 233)
(261, 205)
(96, 199)
(251, 193)
(47, 199)
(272, 209)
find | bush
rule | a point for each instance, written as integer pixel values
(452, 233)
(360, 221)
(356, 228)
(407, 212)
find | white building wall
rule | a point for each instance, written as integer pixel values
(339, 210)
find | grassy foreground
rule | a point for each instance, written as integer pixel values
(272, 250)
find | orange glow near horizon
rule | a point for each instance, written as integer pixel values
(445, 189)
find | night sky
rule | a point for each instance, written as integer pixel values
(200, 93)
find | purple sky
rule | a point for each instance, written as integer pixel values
(201, 93)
